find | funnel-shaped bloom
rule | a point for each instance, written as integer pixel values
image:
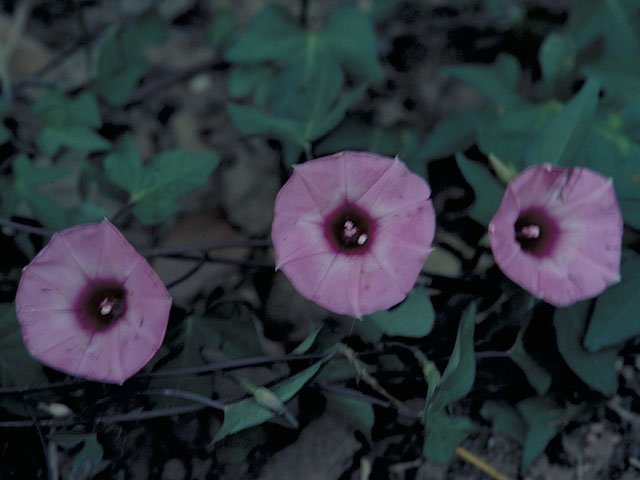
(351, 231)
(90, 305)
(558, 233)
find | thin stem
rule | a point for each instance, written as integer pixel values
(194, 397)
(121, 211)
(203, 247)
(212, 367)
(5, 222)
(357, 395)
(36, 424)
(224, 260)
(18, 22)
(192, 271)
(235, 364)
(492, 354)
(116, 418)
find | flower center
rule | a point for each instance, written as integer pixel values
(101, 305)
(349, 229)
(536, 232)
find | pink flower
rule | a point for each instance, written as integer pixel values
(352, 230)
(90, 305)
(558, 233)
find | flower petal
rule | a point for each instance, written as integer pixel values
(70, 278)
(394, 191)
(585, 258)
(350, 196)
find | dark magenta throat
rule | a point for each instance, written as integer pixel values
(349, 229)
(101, 305)
(536, 232)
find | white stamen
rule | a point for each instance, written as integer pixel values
(106, 306)
(531, 231)
(349, 229)
(362, 239)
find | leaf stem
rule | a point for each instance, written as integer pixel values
(194, 397)
(116, 418)
(5, 222)
(357, 395)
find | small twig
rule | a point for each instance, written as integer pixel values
(194, 397)
(18, 22)
(121, 211)
(36, 424)
(192, 271)
(480, 464)
(203, 247)
(116, 418)
(5, 222)
(224, 260)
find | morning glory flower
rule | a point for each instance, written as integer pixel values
(558, 233)
(352, 231)
(89, 305)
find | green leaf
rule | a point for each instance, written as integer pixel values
(68, 122)
(412, 318)
(487, 189)
(460, 372)
(324, 122)
(356, 412)
(247, 413)
(251, 121)
(59, 110)
(17, 368)
(537, 376)
(86, 212)
(91, 452)
(505, 418)
(544, 420)
(155, 188)
(347, 38)
(609, 140)
(610, 19)
(596, 369)
(354, 134)
(356, 50)
(557, 58)
(120, 60)
(620, 74)
(27, 178)
(453, 134)
(497, 82)
(256, 79)
(443, 434)
(273, 34)
(51, 139)
(307, 343)
(564, 134)
(223, 26)
(615, 317)
(232, 334)
(5, 134)
(507, 136)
